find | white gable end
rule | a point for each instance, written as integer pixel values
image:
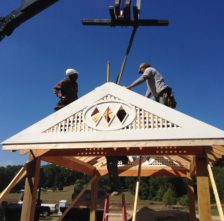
(114, 113)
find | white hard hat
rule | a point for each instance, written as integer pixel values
(70, 71)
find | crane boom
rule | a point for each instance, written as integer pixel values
(27, 10)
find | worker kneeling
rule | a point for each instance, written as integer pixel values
(67, 89)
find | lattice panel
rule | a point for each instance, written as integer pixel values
(74, 123)
(147, 120)
(162, 161)
(111, 113)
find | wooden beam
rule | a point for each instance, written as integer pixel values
(16, 179)
(94, 191)
(213, 157)
(217, 199)
(147, 171)
(191, 198)
(71, 163)
(193, 167)
(78, 197)
(204, 205)
(30, 191)
(36, 153)
(219, 149)
(126, 151)
(180, 160)
(182, 143)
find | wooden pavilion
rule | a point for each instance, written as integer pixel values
(112, 120)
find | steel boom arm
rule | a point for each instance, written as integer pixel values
(27, 10)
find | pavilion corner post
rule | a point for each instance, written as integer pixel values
(30, 190)
(204, 204)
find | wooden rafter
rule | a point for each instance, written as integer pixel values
(71, 163)
(179, 159)
(218, 149)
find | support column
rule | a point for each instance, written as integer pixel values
(204, 205)
(191, 199)
(30, 191)
(94, 191)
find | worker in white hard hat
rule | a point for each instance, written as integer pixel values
(67, 89)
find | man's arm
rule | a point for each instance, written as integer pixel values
(57, 89)
(137, 82)
(148, 93)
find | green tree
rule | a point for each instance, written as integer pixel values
(169, 198)
(159, 194)
(144, 190)
(183, 201)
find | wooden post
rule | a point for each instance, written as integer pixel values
(191, 199)
(137, 189)
(219, 205)
(108, 71)
(94, 191)
(204, 205)
(30, 191)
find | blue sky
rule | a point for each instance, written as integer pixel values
(189, 53)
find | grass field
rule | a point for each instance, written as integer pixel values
(55, 196)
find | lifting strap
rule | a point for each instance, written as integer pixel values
(107, 213)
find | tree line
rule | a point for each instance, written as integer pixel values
(170, 190)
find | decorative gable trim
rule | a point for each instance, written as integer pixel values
(111, 113)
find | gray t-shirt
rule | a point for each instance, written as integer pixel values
(154, 80)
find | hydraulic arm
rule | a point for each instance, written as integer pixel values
(27, 10)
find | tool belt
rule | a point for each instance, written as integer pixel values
(169, 98)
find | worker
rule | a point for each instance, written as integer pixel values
(67, 89)
(112, 167)
(156, 86)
